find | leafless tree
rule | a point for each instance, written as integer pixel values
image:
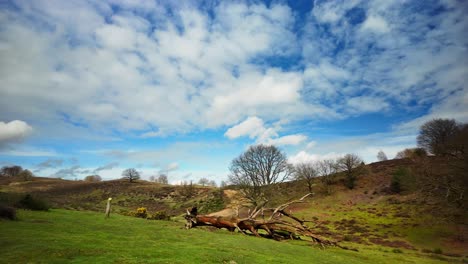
(381, 156)
(187, 190)
(326, 170)
(223, 184)
(152, 178)
(203, 181)
(255, 170)
(350, 164)
(11, 171)
(163, 179)
(306, 172)
(435, 135)
(212, 183)
(131, 174)
(26, 175)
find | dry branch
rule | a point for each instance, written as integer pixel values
(275, 227)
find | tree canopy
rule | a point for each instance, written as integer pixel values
(131, 174)
(435, 135)
(258, 167)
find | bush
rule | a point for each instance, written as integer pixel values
(26, 175)
(141, 212)
(159, 215)
(31, 203)
(93, 178)
(7, 212)
(395, 185)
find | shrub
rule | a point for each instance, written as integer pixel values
(397, 250)
(159, 215)
(395, 185)
(25, 175)
(141, 212)
(7, 212)
(437, 251)
(31, 203)
(93, 178)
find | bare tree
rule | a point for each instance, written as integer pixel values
(11, 171)
(203, 181)
(131, 174)
(435, 135)
(26, 175)
(326, 170)
(381, 156)
(163, 179)
(350, 164)
(152, 178)
(223, 184)
(306, 172)
(258, 167)
(187, 190)
(212, 183)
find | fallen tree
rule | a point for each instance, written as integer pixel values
(280, 225)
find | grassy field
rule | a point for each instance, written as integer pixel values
(63, 236)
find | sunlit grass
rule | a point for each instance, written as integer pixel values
(62, 236)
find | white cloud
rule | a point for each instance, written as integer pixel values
(286, 140)
(366, 104)
(28, 152)
(306, 157)
(14, 131)
(172, 166)
(376, 24)
(114, 71)
(311, 144)
(332, 11)
(254, 128)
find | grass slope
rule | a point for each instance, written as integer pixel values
(62, 236)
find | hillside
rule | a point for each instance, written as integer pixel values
(367, 218)
(63, 236)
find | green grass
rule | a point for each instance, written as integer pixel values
(66, 236)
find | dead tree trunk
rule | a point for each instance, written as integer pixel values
(276, 227)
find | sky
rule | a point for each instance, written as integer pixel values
(184, 87)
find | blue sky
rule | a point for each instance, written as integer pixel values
(183, 87)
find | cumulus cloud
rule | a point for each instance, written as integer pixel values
(251, 127)
(152, 69)
(375, 24)
(254, 128)
(144, 67)
(14, 131)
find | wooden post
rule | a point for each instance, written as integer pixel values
(108, 207)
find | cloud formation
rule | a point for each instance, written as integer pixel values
(254, 128)
(48, 164)
(108, 166)
(14, 131)
(139, 80)
(143, 60)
